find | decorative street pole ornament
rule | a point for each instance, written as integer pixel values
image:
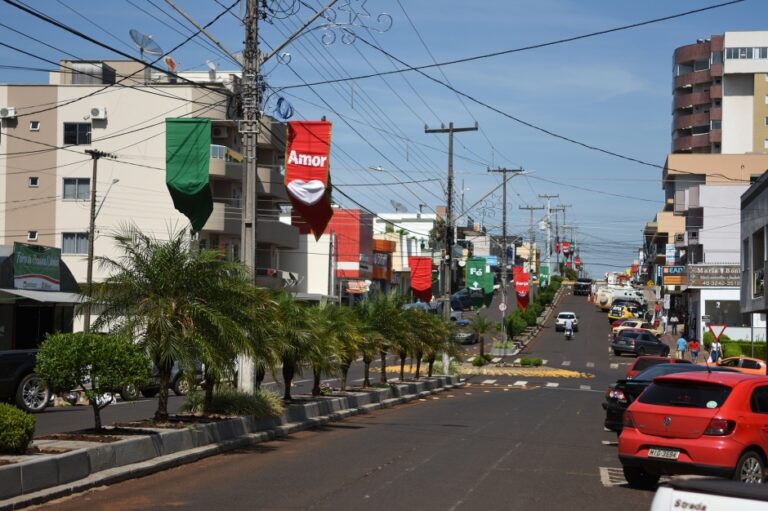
(566, 248)
(522, 284)
(307, 174)
(577, 261)
(355, 12)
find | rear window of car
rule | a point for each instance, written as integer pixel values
(566, 316)
(631, 335)
(643, 363)
(666, 368)
(686, 394)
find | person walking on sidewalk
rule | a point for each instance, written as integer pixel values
(682, 344)
(715, 351)
(673, 321)
(693, 346)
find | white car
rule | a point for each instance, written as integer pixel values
(562, 317)
(710, 494)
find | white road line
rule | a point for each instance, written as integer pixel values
(614, 366)
(585, 387)
(566, 362)
(488, 382)
(544, 362)
(520, 383)
(590, 364)
(609, 442)
(553, 385)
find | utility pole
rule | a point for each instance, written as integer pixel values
(504, 171)
(447, 262)
(549, 231)
(562, 208)
(95, 156)
(532, 240)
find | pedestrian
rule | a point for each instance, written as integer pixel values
(693, 346)
(681, 345)
(673, 321)
(715, 351)
(664, 324)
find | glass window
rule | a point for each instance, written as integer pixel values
(759, 400)
(34, 182)
(685, 394)
(77, 188)
(31, 235)
(700, 65)
(74, 243)
(700, 130)
(717, 57)
(34, 125)
(763, 53)
(716, 125)
(77, 133)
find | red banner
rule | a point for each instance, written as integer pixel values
(521, 279)
(566, 248)
(568, 264)
(577, 261)
(421, 277)
(557, 247)
(307, 175)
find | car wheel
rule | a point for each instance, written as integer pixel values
(750, 468)
(129, 392)
(616, 353)
(148, 392)
(639, 478)
(181, 386)
(33, 394)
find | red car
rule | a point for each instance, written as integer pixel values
(642, 363)
(697, 423)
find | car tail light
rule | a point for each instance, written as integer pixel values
(720, 427)
(629, 421)
(617, 394)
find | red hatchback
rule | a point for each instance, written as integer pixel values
(697, 423)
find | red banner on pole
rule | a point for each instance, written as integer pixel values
(307, 175)
(557, 247)
(421, 277)
(577, 262)
(566, 248)
(521, 279)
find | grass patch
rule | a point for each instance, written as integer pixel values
(530, 362)
(261, 403)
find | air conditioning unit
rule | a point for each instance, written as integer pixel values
(7, 112)
(219, 132)
(98, 113)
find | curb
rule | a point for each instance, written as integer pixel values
(36, 481)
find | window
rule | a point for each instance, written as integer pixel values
(31, 235)
(34, 182)
(765, 143)
(74, 243)
(77, 133)
(716, 125)
(766, 121)
(685, 394)
(77, 188)
(34, 125)
(759, 400)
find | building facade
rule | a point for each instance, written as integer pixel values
(754, 243)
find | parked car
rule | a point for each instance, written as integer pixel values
(636, 324)
(747, 365)
(622, 312)
(179, 383)
(621, 321)
(461, 300)
(463, 334)
(704, 423)
(638, 342)
(562, 317)
(642, 363)
(20, 384)
(621, 394)
(709, 493)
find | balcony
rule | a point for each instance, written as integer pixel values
(716, 92)
(687, 121)
(691, 99)
(225, 219)
(272, 134)
(694, 78)
(691, 52)
(271, 183)
(279, 234)
(758, 283)
(690, 142)
(225, 162)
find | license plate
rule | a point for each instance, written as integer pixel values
(621, 342)
(666, 454)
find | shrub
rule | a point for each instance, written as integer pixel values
(526, 361)
(487, 356)
(17, 428)
(479, 361)
(228, 401)
(709, 339)
(516, 324)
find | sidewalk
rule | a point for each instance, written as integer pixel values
(34, 479)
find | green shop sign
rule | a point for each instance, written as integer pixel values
(543, 276)
(36, 267)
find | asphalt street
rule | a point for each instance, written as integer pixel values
(506, 442)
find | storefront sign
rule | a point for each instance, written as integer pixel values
(674, 276)
(718, 275)
(36, 267)
(671, 254)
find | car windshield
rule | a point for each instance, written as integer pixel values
(686, 394)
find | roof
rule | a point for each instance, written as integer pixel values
(722, 378)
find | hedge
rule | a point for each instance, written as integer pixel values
(17, 428)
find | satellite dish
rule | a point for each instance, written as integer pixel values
(212, 67)
(145, 43)
(399, 208)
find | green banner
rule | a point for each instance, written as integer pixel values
(475, 273)
(543, 276)
(187, 161)
(36, 267)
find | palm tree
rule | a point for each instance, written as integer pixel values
(480, 326)
(381, 312)
(183, 304)
(323, 355)
(349, 337)
(289, 327)
(432, 336)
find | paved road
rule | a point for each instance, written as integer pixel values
(504, 444)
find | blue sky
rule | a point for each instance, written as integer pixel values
(612, 91)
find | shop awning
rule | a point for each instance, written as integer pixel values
(44, 296)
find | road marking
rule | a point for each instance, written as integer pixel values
(544, 362)
(590, 364)
(614, 366)
(566, 363)
(585, 387)
(488, 382)
(520, 383)
(496, 360)
(611, 477)
(470, 359)
(553, 385)
(609, 442)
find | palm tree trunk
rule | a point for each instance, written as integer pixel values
(482, 345)
(419, 354)
(383, 355)
(431, 363)
(367, 371)
(208, 386)
(316, 382)
(288, 372)
(261, 373)
(162, 401)
(402, 365)
(344, 374)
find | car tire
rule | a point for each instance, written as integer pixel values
(181, 386)
(616, 353)
(640, 479)
(33, 394)
(149, 392)
(750, 468)
(129, 392)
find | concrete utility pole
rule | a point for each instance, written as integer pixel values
(549, 231)
(532, 240)
(447, 261)
(95, 156)
(504, 171)
(561, 207)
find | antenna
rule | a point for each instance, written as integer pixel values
(212, 67)
(147, 45)
(399, 208)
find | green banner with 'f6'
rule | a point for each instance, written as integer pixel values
(36, 267)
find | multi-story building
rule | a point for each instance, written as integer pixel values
(115, 107)
(754, 252)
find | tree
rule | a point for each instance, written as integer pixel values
(480, 325)
(182, 304)
(324, 346)
(289, 328)
(94, 363)
(381, 313)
